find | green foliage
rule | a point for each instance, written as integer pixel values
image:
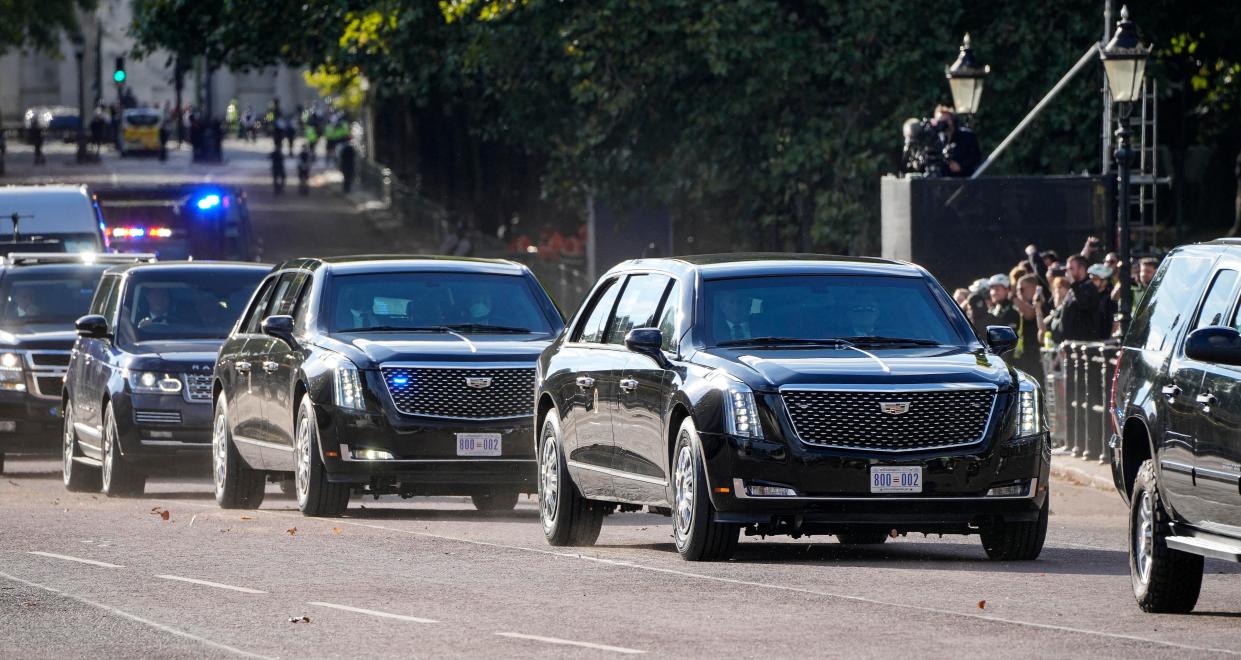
(38, 24)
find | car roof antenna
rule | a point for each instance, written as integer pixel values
(16, 217)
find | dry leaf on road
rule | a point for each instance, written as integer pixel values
(292, 531)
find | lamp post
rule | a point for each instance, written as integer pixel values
(79, 54)
(1124, 63)
(965, 79)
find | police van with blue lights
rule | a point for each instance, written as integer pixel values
(41, 295)
(180, 222)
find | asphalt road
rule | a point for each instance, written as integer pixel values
(82, 575)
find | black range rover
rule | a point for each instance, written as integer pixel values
(786, 394)
(382, 375)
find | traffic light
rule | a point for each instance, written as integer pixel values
(118, 76)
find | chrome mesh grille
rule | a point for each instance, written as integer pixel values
(443, 392)
(157, 416)
(198, 387)
(856, 420)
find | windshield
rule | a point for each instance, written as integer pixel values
(860, 309)
(141, 120)
(201, 303)
(66, 242)
(46, 300)
(462, 302)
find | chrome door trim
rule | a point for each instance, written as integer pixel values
(261, 443)
(655, 481)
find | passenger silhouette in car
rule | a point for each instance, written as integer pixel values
(159, 307)
(736, 309)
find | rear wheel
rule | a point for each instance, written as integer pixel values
(1017, 541)
(1164, 580)
(316, 496)
(698, 536)
(120, 478)
(862, 538)
(567, 517)
(79, 478)
(237, 485)
(501, 501)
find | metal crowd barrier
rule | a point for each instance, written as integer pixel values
(1077, 392)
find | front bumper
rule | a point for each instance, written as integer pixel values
(833, 486)
(29, 423)
(424, 453)
(161, 432)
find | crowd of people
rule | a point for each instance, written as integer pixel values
(1046, 300)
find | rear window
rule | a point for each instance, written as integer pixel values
(142, 120)
(1174, 292)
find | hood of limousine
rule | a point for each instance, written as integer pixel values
(60, 340)
(770, 369)
(179, 355)
(444, 347)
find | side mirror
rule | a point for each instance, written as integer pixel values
(648, 342)
(92, 326)
(1001, 339)
(1216, 345)
(280, 327)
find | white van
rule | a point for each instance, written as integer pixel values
(61, 218)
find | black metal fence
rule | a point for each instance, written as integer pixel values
(1077, 388)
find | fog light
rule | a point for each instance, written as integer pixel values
(371, 455)
(1018, 489)
(159, 434)
(8, 426)
(762, 490)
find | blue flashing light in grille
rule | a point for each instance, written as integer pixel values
(208, 202)
(400, 380)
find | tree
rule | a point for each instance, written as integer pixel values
(38, 24)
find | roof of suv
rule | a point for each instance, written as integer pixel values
(182, 265)
(776, 263)
(373, 263)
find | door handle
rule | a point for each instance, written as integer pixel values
(270, 367)
(585, 382)
(242, 367)
(1207, 400)
(1171, 391)
(628, 384)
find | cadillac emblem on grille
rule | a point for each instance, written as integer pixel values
(894, 407)
(479, 383)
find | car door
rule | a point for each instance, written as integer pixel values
(1217, 453)
(93, 369)
(245, 406)
(589, 395)
(279, 366)
(640, 448)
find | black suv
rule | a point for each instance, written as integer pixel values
(137, 395)
(386, 375)
(788, 394)
(1176, 405)
(41, 295)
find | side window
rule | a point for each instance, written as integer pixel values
(254, 315)
(638, 306)
(289, 296)
(668, 317)
(106, 290)
(299, 306)
(1173, 291)
(591, 330)
(1219, 300)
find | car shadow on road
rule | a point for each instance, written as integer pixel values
(31, 475)
(181, 495)
(520, 514)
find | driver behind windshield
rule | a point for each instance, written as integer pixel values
(23, 301)
(159, 307)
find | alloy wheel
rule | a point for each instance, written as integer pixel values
(1144, 537)
(302, 479)
(109, 437)
(67, 468)
(684, 490)
(219, 453)
(549, 480)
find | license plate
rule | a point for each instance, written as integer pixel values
(478, 444)
(903, 479)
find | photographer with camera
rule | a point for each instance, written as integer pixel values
(962, 155)
(938, 147)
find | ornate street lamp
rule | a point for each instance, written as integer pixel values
(1124, 63)
(965, 79)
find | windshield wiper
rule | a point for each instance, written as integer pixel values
(483, 327)
(870, 339)
(398, 328)
(779, 341)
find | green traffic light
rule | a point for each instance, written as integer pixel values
(119, 76)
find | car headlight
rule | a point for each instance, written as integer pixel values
(151, 382)
(740, 408)
(1029, 412)
(347, 390)
(12, 378)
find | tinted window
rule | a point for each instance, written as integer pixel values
(1218, 301)
(200, 303)
(600, 311)
(463, 302)
(43, 299)
(1172, 295)
(285, 289)
(106, 291)
(825, 307)
(256, 313)
(668, 317)
(638, 305)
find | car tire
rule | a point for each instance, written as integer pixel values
(495, 502)
(316, 496)
(1164, 580)
(1, 462)
(568, 518)
(78, 477)
(698, 536)
(1017, 541)
(237, 485)
(119, 478)
(862, 538)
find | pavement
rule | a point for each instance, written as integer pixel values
(1082, 471)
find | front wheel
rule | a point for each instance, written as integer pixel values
(1017, 541)
(79, 478)
(1164, 580)
(120, 478)
(237, 485)
(567, 517)
(699, 537)
(316, 496)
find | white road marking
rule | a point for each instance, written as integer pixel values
(205, 583)
(79, 560)
(569, 642)
(133, 617)
(386, 615)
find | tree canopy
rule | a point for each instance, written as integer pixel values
(38, 24)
